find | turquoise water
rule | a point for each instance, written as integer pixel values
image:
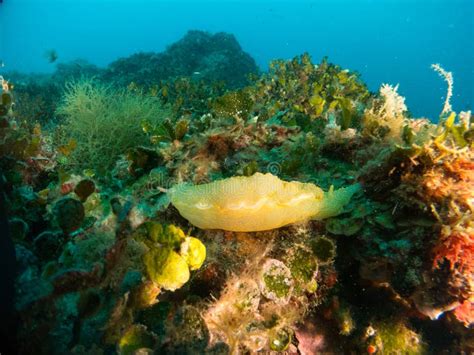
(236, 177)
(387, 41)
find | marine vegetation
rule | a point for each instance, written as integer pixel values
(100, 122)
(307, 213)
(188, 82)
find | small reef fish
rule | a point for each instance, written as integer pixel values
(51, 55)
(256, 203)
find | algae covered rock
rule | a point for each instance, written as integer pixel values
(324, 249)
(89, 303)
(187, 332)
(344, 226)
(142, 160)
(393, 335)
(18, 229)
(135, 339)
(48, 245)
(303, 265)
(199, 54)
(281, 339)
(247, 295)
(276, 283)
(84, 189)
(69, 214)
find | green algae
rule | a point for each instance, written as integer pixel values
(136, 338)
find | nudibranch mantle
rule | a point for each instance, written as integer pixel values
(256, 203)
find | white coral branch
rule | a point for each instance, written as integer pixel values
(448, 77)
(394, 104)
(3, 84)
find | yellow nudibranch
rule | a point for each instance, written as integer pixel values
(256, 203)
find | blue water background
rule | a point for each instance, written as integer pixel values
(387, 41)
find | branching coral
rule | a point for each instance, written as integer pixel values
(386, 117)
(448, 77)
(456, 245)
(394, 104)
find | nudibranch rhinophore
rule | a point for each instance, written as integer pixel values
(256, 203)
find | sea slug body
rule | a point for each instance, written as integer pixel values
(256, 203)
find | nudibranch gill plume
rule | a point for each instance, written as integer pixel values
(256, 203)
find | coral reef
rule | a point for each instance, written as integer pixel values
(108, 265)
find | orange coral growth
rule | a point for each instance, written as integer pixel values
(463, 168)
(453, 180)
(465, 313)
(456, 245)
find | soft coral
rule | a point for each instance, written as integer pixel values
(456, 246)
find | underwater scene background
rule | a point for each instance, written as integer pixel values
(387, 41)
(236, 177)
